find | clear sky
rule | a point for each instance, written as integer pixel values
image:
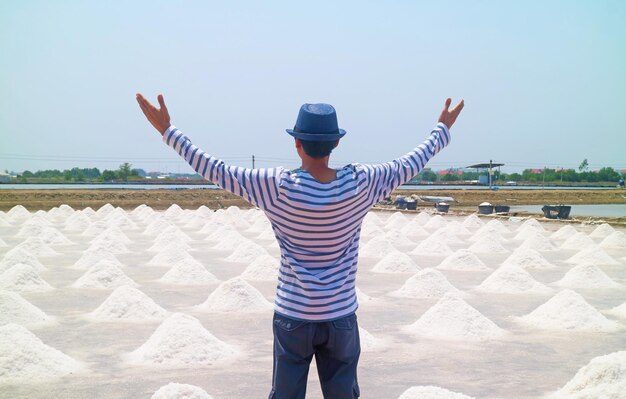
(544, 81)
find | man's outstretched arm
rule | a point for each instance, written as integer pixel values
(257, 186)
(385, 177)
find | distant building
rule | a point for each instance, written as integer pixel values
(5, 177)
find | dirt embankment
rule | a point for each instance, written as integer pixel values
(35, 200)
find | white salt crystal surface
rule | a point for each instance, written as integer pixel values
(528, 258)
(235, 295)
(369, 343)
(263, 268)
(426, 283)
(104, 275)
(594, 255)
(531, 223)
(361, 297)
(494, 226)
(396, 262)
(180, 391)
(23, 278)
(181, 341)
(188, 272)
(616, 239)
(603, 377)
(472, 222)
(567, 310)
(564, 232)
(377, 247)
(578, 241)
(36, 247)
(453, 318)
(25, 358)
(618, 311)
(414, 231)
(18, 212)
(435, 223)
(511, 279)
(169, 255)
(485, 245)
(431, 392)
(538, 243)
(90, 258)
(246, 252)
(15, 309)
(463, 260)
(432, 246)
(602, 231)
(587, 276)
(20, 256)
(128, 303)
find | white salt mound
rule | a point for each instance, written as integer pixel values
(431, 392)
(511, 279)
(603, 377)
(23, 278)
(235, 295)
(246, 252)
(587, 277)
(577, 241)
(188, 272)
(463, 260)
(567, 310)
(362, 297)
(564, 232)
(25, 358)
(263, 268)
(531, 223)
(427, 283)
(90, 258)
(432, 247)
(369, 343)
(494, 226)
(616, 239)
(104, 275)
(128, 303)
(20, 256)
(472, 222)
(528, 259)
(487, 246)
(538, 243)
(169, 255)
(413, 231)
(15, 309)
(37, 247)
(594, 255)
(619, 311)
(377, 247)
(602, 231)
(453, 318)
(435, 223)
(180, 391)
(181, 341)
(396, 262)
(18, 212)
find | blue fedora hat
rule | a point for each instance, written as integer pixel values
(317, 122)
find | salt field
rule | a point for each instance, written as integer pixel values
(108, 303)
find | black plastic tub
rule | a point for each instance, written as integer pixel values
(556, 211)
(485, 209)
(442, 207)
(502, 208)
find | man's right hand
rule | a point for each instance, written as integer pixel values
(158, 117)
(448, 117)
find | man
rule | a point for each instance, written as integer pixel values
(316, 214)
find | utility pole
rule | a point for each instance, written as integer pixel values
(252, 161)
(490, 172)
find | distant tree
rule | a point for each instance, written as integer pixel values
(108, 175)
(428, 175)
(124, 171)
(584, 165)
(608, 174)
(27, 174)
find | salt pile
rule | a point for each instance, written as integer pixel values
(453, 318)
(618, 311)
(361, 297)
(163, 241)
(396, 221)
(188, 272)
(369, 343)
(92, 257)
(487, 236)
(463, 260)
(17, 213)
(246, 252)
(263, 268)
(15, 309)
(413, 231)
(77, 222)
(432, 247)
(528, 231)
(20, 256)
(564, 233)
(23, 278)
(539, 243)
(472, 222)
(180, 391)
(157, 226)
(592, 255)
(377, 247)
(114, 247)
(104, 275)
(105, 210)
(95, 228)
(37, 247)
(396, 262)
(128, 303)
(493, 226)
(567, 310)
(431, 392)
(235, 295)
(169, 255)
(485, 245)
(427, 283)
(616, 239)
(603, 377)
(371, 230)
(510, 279)
(435, 223)
(587, 276)
(396, 235)
(528, 259)
(26, 359)
(532, 224)
(445, 234)
(230, 240)
(602, 231)
(181, 341)
(577, 241)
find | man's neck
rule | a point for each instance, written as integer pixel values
(318, 168)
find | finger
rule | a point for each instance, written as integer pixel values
(163, 106)
(457, 108)
(448, 102)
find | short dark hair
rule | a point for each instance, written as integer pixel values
(318, 149)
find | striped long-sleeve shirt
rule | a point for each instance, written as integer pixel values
(317, 225)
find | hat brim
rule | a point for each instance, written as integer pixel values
(317, 136)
